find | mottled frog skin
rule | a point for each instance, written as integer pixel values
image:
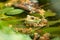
(35, 21)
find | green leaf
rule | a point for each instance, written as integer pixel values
(10, 11)
(56, 38)
(7, 9)
(14, 12)
(14, 36)
(55, 31)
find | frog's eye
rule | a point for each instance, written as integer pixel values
(32, 18)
